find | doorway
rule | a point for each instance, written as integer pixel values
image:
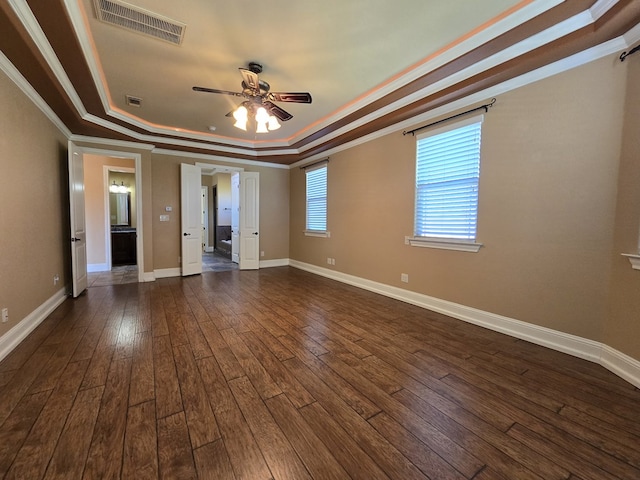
(108, 212)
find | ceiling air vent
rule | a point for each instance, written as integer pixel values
(133, 101)
(139, 20)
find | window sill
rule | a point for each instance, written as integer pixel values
(443, 244)
(317, 233)
(634, 259)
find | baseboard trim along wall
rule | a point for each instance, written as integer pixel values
(19, 332)
(617, 362)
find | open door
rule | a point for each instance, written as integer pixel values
(249, 220)
(78, 232)
(191, 257)
(235, 217)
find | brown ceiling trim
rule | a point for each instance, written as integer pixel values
(23, 53)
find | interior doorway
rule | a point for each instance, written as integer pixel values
(113, 259)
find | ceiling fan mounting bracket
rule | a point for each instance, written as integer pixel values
(255, 67)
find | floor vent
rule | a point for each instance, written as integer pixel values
(139, 20)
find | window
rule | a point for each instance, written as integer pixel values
(447, 175)
(316, 178)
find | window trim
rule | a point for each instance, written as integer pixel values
(445, 243)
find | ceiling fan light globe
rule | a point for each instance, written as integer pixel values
(241, 124)
(262, 116)
(273, 123)
(262, 127)
(241, 115)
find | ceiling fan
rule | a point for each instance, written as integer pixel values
(258, 95)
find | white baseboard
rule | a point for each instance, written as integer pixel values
(278, 262)
(613, 360)
(97, 267)
(18, 332)
(149, 277)
(167, 272)
(208, 249)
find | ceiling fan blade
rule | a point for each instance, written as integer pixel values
(276, 111)
(299, 97)
(215, 90)
(250, 79)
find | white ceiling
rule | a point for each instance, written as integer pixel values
(343, 52)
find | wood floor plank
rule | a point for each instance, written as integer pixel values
(142, 371)
(342, 446)
(167, 388)
(174, 450)
(251, 366)
(212, 462)
(71, 452)
(282, 459)
(319, 461)
(16, 428)
(244, 454)
(203, 428)
(296, 393)
(428, 461)
(375, 445)
(19, 384)
(140, 459)
(34, 455)
(351, 396)
(105, 455)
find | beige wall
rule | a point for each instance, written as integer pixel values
(548, 184)
(623, 325)
(34, 206)
(95, 208)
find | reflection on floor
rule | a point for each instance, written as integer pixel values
(211, 262)
(117, 276)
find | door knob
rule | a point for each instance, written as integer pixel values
(255, 233)
(185, 234)
(74, 239)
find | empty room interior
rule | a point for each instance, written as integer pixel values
(320, 240)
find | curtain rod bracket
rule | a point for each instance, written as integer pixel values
(624, 55)
(484, 107)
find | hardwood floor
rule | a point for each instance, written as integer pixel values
(281, 374)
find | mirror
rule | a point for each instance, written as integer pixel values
(119, 207)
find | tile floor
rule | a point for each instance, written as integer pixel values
(211, 262)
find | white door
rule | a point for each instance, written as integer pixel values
(249, 220)
(235, 217)
(191, 221)
(78, 223)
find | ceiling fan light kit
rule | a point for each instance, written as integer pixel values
(259, 101)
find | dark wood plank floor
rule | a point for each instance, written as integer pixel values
(280, 374)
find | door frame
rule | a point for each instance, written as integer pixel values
(137, 158)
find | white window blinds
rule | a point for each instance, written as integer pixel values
(447, 174)
(317, 198)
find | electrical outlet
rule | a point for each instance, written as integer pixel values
(5, 315)
(56, 279)
(262, 253)
(328, 260)
(333, 261)
(404, 277)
